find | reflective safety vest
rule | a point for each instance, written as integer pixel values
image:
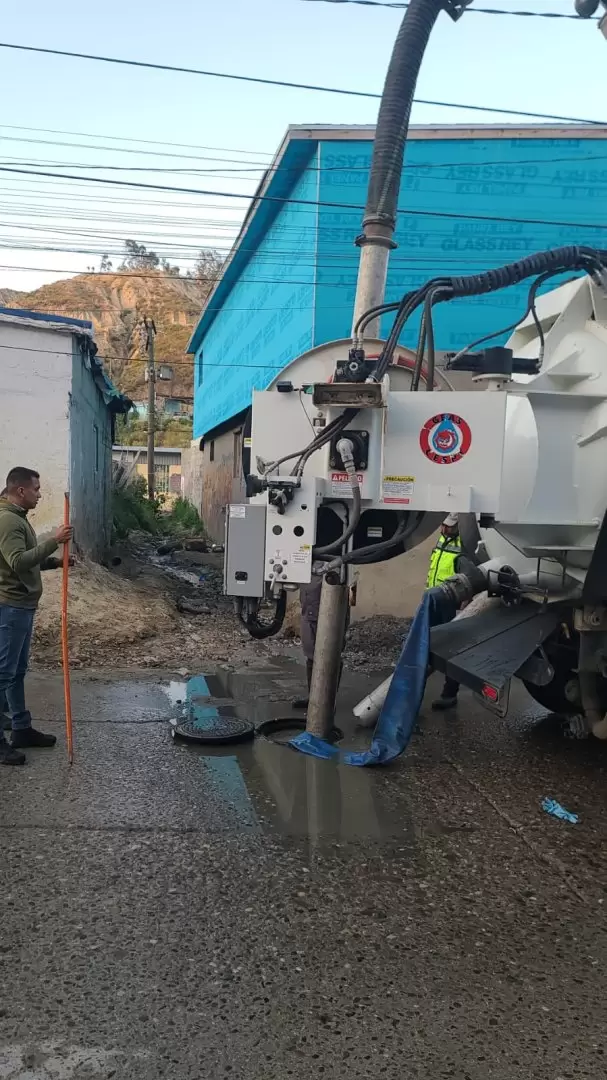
(443, 560)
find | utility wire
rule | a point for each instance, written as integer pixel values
(192, 364)
(266, 169)
(283, 83)
(479, 11)
(303, 202)
(133, 139)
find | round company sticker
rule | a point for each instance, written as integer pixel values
(445, 438)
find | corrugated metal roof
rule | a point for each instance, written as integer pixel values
(57, 322)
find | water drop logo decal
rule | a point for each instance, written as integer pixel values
(445, 438)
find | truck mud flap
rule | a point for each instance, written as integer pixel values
(486, 650)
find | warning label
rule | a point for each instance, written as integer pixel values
(397, 489)
(301, 557)
(341, 486)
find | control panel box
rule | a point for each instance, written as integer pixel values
(243, 573)
(290, 537)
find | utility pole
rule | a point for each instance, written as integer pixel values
(150, 333)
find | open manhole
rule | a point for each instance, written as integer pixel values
(284, 728)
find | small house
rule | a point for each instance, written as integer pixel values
(57, 412)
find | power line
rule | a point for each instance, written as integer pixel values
(283, 83)
(140, 360)
(266, 168)
(132, 139)
(306, 202)
(479, 11)
(127, 150)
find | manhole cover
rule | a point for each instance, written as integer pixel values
(214, 729)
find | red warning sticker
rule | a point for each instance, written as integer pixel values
(340, 484)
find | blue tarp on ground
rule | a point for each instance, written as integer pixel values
(401, 708)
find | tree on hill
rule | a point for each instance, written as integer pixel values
(138, 257)
(207, 270)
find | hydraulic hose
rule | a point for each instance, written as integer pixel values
(345, 450)
(395, 109)
(381, 552)
(259, 630)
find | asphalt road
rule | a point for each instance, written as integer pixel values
(257, 915)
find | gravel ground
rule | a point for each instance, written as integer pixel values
(127, 615)
(376, 642)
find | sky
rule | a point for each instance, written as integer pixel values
(69, 115)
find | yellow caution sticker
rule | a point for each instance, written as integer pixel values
(397, 489)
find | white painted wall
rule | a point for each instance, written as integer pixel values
(53, 419)
(35, 381)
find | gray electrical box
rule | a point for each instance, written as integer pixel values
(245, 557)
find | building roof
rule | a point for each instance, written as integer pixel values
(63, 322)
(294, 154)
(119, 448)
(82, 329)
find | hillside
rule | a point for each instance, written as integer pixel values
(115, 303)
(10, 298)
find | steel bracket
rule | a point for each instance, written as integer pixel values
(456, 8)
(590, 617)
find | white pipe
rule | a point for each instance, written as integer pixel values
(367, 710)
(371, 284)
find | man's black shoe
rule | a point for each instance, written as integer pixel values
(443, 703)
(9, 756)
(25, 737)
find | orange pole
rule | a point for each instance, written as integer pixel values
(65, 655)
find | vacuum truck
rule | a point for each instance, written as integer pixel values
(357, 451)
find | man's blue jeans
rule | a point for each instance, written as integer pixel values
(16, 625)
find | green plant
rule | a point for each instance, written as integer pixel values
(131, 509)
(184, 517)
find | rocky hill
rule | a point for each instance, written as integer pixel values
(10, 297)
(115, 304)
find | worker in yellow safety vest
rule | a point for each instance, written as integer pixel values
(443, 564)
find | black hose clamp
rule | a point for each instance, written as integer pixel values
(456, 8)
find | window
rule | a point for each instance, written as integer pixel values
(161, 479)
(212, 450)
(199, 369)
(237, 460)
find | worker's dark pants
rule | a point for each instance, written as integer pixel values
(16, 626)
(450, 688)
(310, 605)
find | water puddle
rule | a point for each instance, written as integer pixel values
(263, 784)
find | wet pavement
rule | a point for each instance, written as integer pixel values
(246, 912)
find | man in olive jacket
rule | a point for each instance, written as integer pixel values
(21, 560)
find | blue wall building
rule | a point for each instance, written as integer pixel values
(471, 199)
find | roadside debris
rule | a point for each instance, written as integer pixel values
(551, 806)
(192, 607)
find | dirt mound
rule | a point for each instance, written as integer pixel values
(106, 613)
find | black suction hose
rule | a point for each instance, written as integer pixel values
(395, 110)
